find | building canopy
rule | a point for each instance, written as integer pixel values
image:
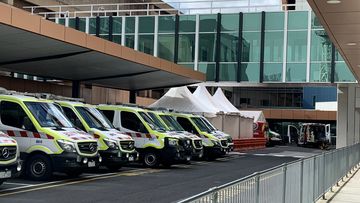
(35, 46)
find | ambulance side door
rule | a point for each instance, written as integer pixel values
(131, 123)
(14, 120)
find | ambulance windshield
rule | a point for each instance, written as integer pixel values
(208, 124)
(48, 115)
(200, 124)
(172, 123)
(151, 122)
(94, 118)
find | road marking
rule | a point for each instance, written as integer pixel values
(54, 184)
(12, 183)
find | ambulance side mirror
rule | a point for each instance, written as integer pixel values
(28, 125)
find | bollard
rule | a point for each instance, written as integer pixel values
(284, 183)
(257, 188)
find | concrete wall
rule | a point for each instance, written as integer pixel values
(348, 115)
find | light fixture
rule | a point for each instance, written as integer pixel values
(351, 43)
(333, 1)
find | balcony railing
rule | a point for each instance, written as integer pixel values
(161, 8)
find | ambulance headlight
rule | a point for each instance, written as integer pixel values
(173, 142)
(111, 144)
(67, 146)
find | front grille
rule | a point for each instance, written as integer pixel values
(224, 143)
(230, 140)
(87, 147)
(7, 153)
(185, 143)
(197, 143)
(127, 145)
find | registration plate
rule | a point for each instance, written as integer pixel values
(5, 174)
(131, 158)
(91, 164)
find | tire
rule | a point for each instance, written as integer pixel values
(74, 173)
(151, 159)
(113, 167)
(1, 182)
(38, 167)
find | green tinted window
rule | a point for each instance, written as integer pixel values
(92, 25)
(229, 22)
(338, 56)
(130, 25)
(250, 72)
(209, 69)
(228, 47)
(104, 25)
(129, 41)
(315, 23)
(116, 25)
(297, 20)
(146, 24)
(117, 39)
(296, 72)
(320, 72)
(320, 46)
(166, 24)
(251, 47)
(297, 43)
(166, 45)
(252, 22)
(207, 47)
(342, 73)
(274, 21)
(208, 23)
(187, 23)
(273, 72)
(273, 51)
(62, 21)
(146, 44)
(82, 24)
(186, 48)
(72, 22)
(228, 72)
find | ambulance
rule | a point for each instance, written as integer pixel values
(153, 143)
(216, 131)
(115, 148)
(47, 140)
(215, 145)
(10, 165)
(173, 127)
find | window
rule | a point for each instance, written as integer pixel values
(13, 115)
(187, 125)
(109, 114)
(130, 121)
(73, 118)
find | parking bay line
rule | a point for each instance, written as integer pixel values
(54, 184)
(13, 183)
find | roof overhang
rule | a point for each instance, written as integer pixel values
(342, 23)
(35, 46)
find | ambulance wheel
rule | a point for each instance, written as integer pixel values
(151, 159)
(39, 167)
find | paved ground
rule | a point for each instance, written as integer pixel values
(137, 184)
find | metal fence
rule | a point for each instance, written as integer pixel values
(305, 180)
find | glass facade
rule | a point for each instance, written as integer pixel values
(291, 46)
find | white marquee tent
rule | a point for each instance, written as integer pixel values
(181, 99)
(223, 103)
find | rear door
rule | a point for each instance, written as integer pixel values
(328, 132)
(292, 133)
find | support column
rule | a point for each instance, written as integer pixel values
(132, 97)
(348, 115)
(75, 89)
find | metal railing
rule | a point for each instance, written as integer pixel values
(162, 8)
(305, 180)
